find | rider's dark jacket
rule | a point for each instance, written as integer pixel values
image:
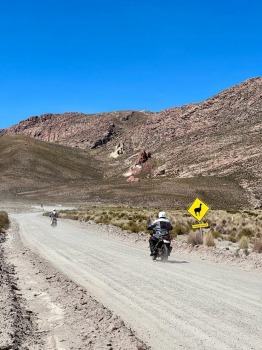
(160, 227)
(53, 214)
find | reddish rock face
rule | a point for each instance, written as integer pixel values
(142, 157)
(132, 178)
(221, 136)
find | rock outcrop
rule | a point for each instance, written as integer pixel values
(221, 136)
(119, 150)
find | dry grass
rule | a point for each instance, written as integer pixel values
(243, 243)
(4, 221)
(209, 240)
(129, 219)
(194, 238)
(233, 226)
(258, 245)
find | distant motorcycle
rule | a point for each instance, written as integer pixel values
(163, 248)
(53, 221)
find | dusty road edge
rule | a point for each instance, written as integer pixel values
(49, 311)
(17, 322)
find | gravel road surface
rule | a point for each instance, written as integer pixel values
(182, 304)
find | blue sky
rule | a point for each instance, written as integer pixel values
(82, 56)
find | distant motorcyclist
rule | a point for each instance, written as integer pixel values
(53, 214)
(160, 227)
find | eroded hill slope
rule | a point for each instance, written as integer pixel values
(220, 137)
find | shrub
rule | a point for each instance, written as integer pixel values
(232, 238)
(103, 220)
(245, 231)
(232, 211)
(215, 234)
(194, 238)
(251, 213)
(258, 245)
(243, 243)
(180, 229)
(173, 234)
(4, 221)
(73, 216)
(209, 240)
(221, 230)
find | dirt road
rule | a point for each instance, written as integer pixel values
(183, 304)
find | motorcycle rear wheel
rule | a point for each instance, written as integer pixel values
(164, 253)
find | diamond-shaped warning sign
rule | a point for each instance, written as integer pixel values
(198, 209)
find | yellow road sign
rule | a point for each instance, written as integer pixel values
(198, 209)
(206, 224)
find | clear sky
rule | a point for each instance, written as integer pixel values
(105, 55)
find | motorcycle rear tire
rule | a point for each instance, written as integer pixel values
(164, 253)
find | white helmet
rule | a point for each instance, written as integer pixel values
(54, 209)
(161, 214)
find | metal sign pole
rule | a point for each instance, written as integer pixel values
(201, 232)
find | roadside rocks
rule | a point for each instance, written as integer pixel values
(16, 323)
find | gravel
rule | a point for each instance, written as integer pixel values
(187, 303)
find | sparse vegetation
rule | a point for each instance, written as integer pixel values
(209, 240)
(224, 225)
(194, 238)
(243, 243)
(180, 229)
(245, 232)
(4, 221)
(258, 245)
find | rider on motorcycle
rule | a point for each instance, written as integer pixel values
(53, 214)
(160, 227)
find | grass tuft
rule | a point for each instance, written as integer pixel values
(258, 245)
(243, 243)
(194, 238)
(209, 240)
(4, 221)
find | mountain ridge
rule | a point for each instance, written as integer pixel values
(221, 136)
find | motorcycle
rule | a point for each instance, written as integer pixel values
(163, 248)
(53, 221)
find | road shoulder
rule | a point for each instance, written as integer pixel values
(62, 314)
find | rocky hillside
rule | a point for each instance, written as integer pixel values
(220, 137)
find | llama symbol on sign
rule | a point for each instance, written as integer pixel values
(198, 210)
